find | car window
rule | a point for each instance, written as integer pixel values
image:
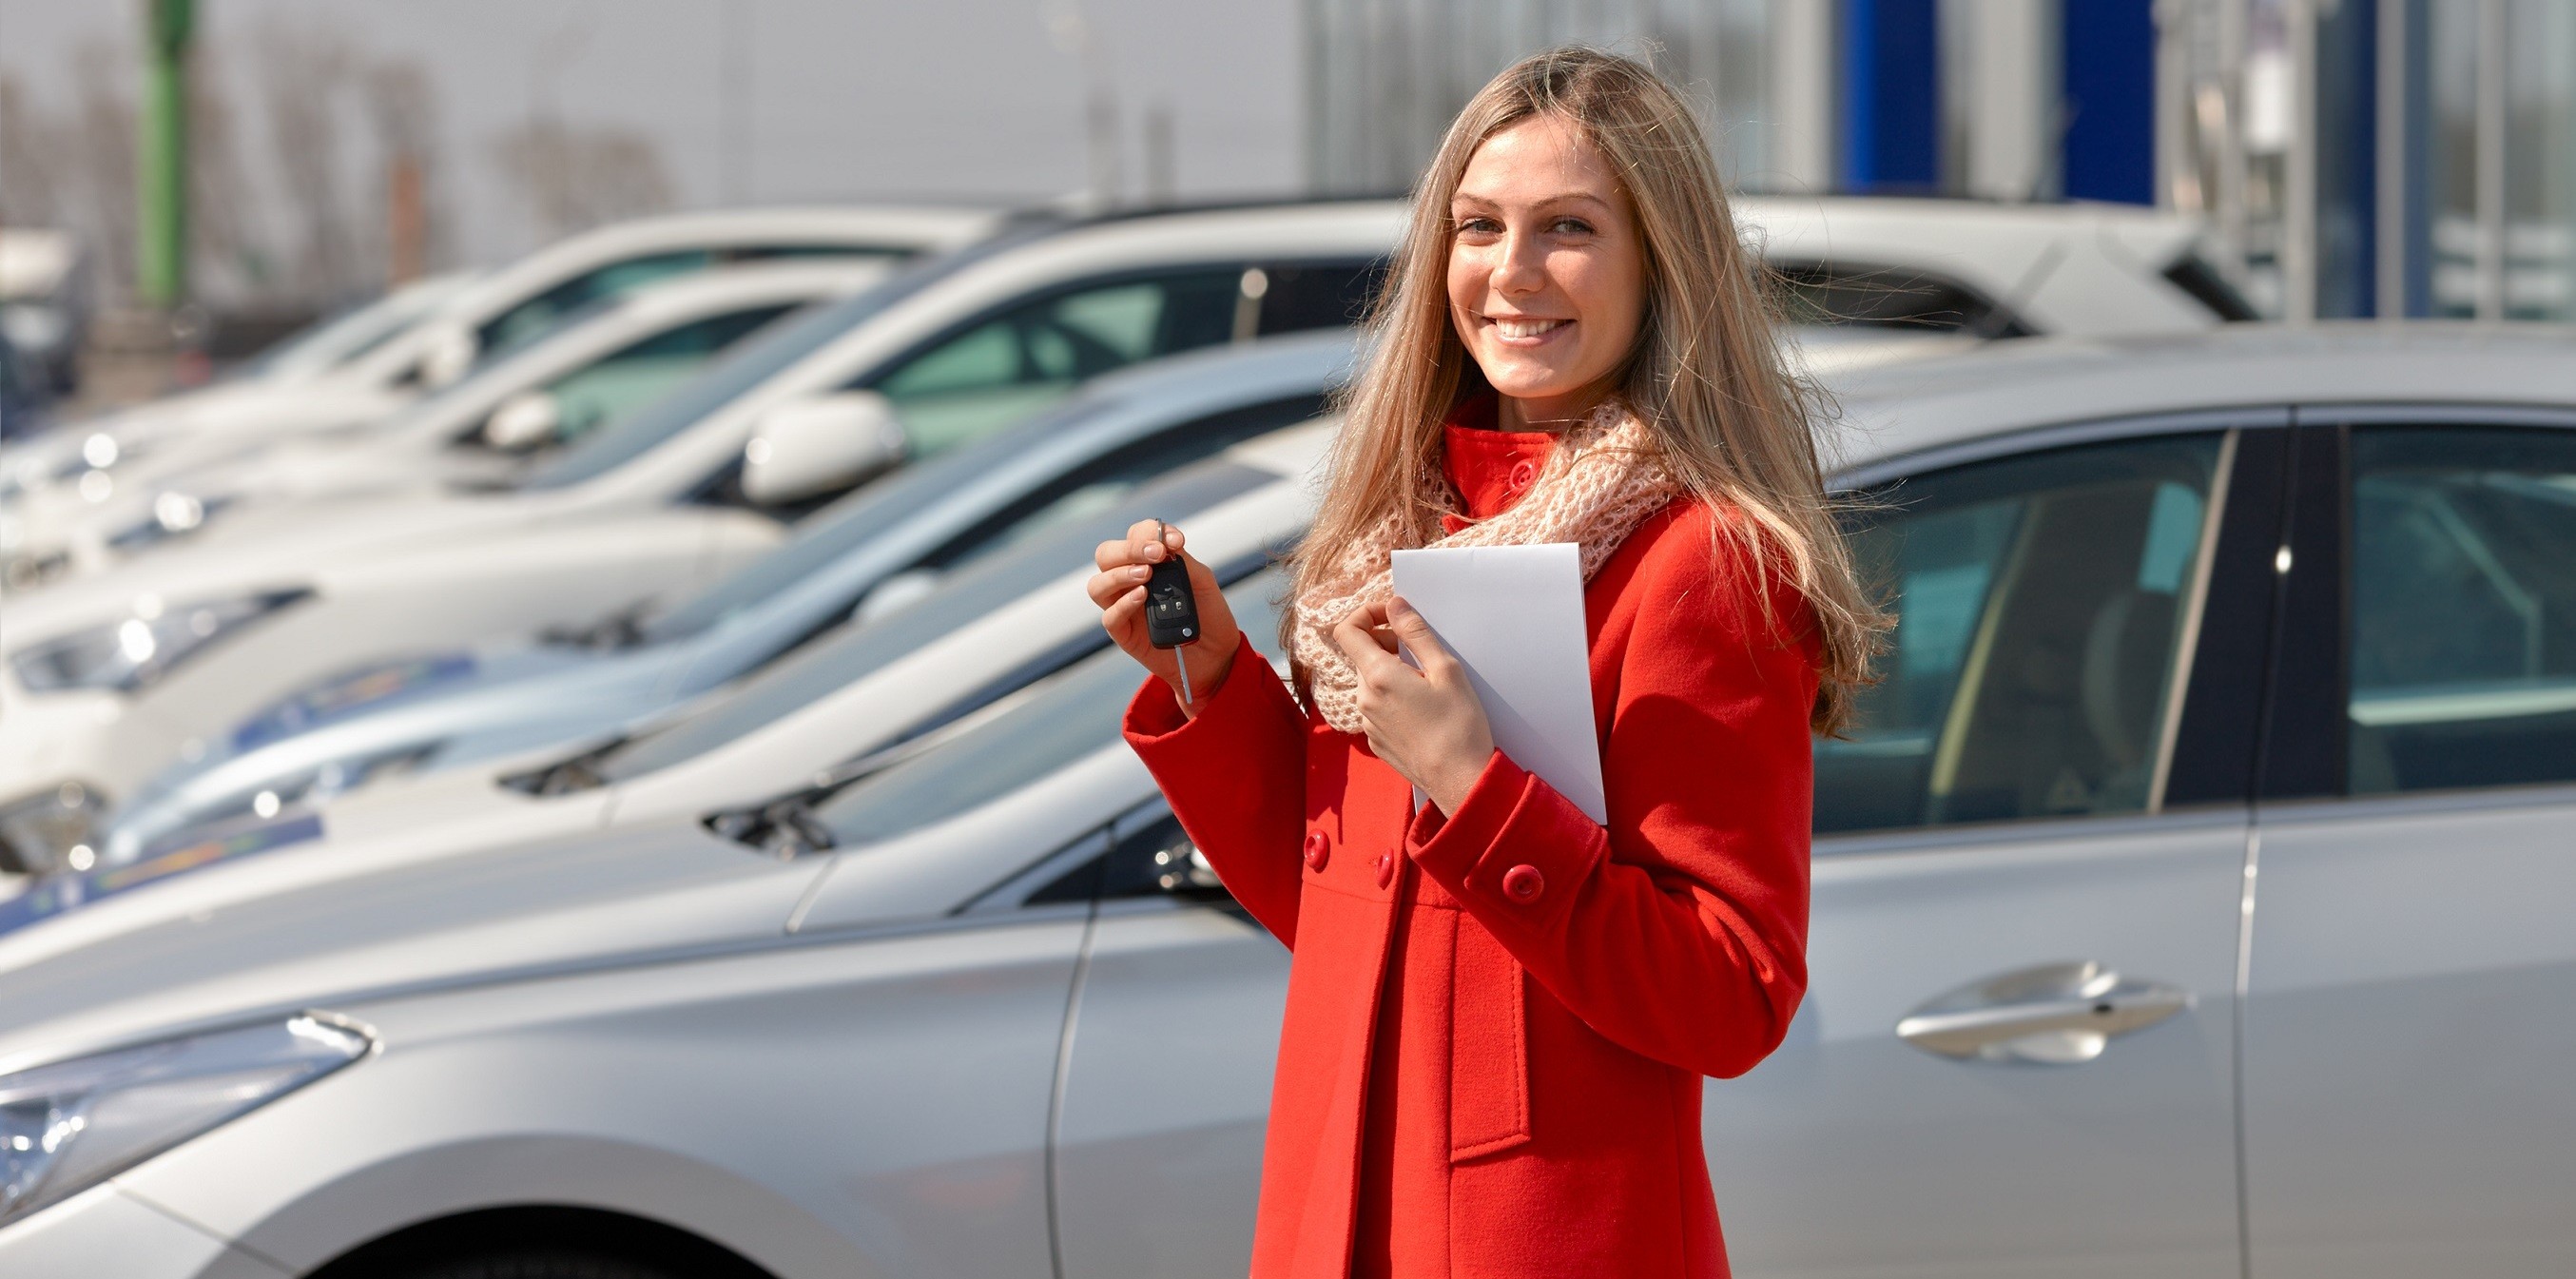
(742, 369)
(1297, 297)
(1009, 366)
(2463, 609)
(2039, 604)
(539, 313)
(1832, 295)
(647, 370)
(1073, 716)
(861, 517)
(862, 648)
(1112, 478)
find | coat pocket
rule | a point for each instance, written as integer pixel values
(1489, 1106)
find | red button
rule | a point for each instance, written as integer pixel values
(1385, 869)
(1317, 852)
(1522, 474)
(1523, 883)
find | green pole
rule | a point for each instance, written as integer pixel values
(161, 188)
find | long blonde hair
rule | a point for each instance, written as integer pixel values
(1733, 424)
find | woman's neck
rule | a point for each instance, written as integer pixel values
(1553, 414)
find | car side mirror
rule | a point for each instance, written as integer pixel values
(449, 352)
(524, 422)
(894, 593)
(808, 447)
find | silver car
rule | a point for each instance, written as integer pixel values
(872, 553)
(2174, 613)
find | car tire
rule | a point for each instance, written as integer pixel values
(540, 1263)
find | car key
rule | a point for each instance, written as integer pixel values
(1171, 608)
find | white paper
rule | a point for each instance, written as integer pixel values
(1514, 617)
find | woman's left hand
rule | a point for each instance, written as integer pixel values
(1427, 723)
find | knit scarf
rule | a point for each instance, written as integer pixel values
(1601, 481)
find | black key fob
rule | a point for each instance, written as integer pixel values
(1171, 608)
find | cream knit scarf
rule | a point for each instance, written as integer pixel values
(1600, 483)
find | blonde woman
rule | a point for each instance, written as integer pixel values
(1499, 1010)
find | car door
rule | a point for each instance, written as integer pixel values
(2069, 709)
(2411, 1001)
(1166, 1066)
(2016, 1049)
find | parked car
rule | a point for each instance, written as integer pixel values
(344, 335)
(2173, 612)
(978, 638)
(524, 402)
(871, 554)
(45, 483)
(47, 292)
(25, 405)
(654, 508)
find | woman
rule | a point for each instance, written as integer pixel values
(1499, 1010)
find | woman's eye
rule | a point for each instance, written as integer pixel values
(1570, 226)
(1480, 225)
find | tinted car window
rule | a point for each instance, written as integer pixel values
(647, 370)
(2040, 603)
(867, 647)
(1073, 716)
(1004, 368)
(540, 312)
(1298, 297)
(2463, 609)
(1831, 295)
(861, 517)
(748, 365)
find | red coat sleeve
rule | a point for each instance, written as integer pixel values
(1679, 931)
(1235, 776)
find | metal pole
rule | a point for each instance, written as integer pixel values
(2230, 167)
(161, 184)
(2299, 177)
(2490, 159)
(2392, 245)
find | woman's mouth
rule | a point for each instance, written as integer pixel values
(1524, 329)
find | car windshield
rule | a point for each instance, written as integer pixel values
(868, 646)
(851, 523)
(1063, 721)
(746, 367)
(349, 334)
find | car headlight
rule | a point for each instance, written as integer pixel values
(68, 1126)
(174, 514)
(155, 828)
(129, 654)
(39, 832)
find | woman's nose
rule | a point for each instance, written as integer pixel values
(1522, 267)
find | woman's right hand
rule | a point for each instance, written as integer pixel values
(1119, 589)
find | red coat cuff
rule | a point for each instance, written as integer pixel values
(1154, 723)
(1514, 853)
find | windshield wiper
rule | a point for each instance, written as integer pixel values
(565, 776)
(622, 629)
(783, 828)
(786, 826)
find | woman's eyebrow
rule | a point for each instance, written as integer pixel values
(1544, 202)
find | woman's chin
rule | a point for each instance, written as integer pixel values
(1531, 384)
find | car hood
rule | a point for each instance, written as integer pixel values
(195, 948)
(382, 687)
(403, 702)
(277, 545)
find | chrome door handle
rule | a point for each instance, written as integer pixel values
(2054, 1014)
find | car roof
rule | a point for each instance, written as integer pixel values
(2033, 383)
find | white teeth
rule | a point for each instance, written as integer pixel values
(1526, 328)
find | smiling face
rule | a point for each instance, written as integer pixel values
(1547, 271)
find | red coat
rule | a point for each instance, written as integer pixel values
(1497, 1024)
